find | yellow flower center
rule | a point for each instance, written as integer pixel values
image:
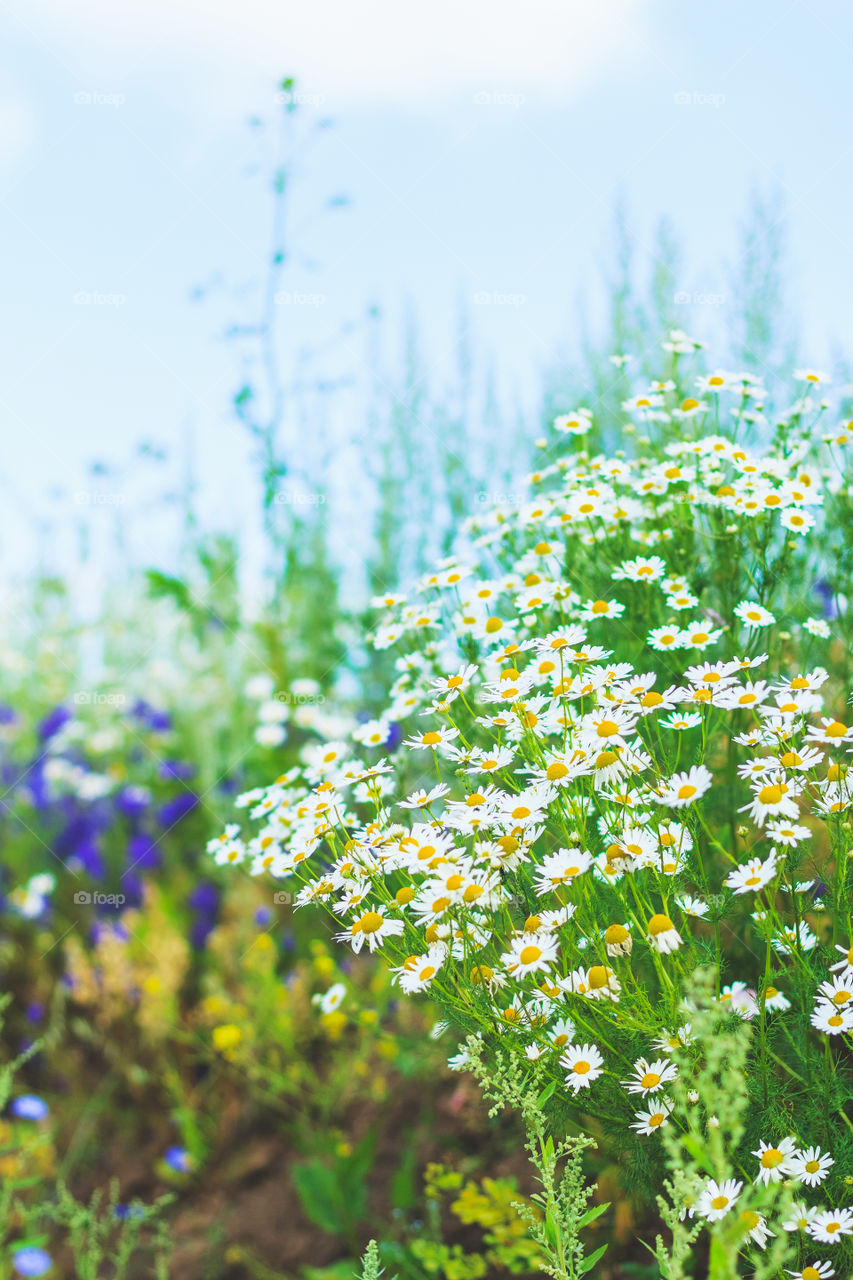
(370, 922)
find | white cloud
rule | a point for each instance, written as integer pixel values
(350, 50)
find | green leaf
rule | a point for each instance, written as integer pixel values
(589, 1263)
(552, 1229)
(592, 1214)
(546, 1093)
(720, 1262)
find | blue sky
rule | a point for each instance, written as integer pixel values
(482, 147)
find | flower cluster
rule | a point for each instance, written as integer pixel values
(618, 763)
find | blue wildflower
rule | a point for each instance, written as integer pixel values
(31, 1261)
(29, 1107)
(179, 1159)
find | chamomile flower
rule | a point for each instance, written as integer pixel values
(717, 1198)
(752, 876)
(595, 610)
(756, 1226)
(647, 1122)
(813, 1271)
(530, 953)
(583, 1065)
(371, 927)
(663, 935)
(686, 788)
(417, 972)
(830, 1225)
(649, 1077)
(754, 615)
(812, 1165)
(775, 1163)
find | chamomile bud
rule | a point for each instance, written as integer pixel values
(663, 935)
(617, 940)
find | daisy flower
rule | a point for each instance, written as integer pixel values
(773, 799)
(776, 1163)
(717, 1198)
(561, 868)
(796, 520)
(583, 1064)
(830, 1225)
(331, 999)
(663, 638)
(792, 937)
(602, 609)
(775, 999)
(663, 935)
(373, 927)
(788, 833)
(801, 1215)
(812, 1165)
(433, 738)
(753, 615)
(617, 940)
(757, 1227)
(814, 1271)
(698, 636)
(831, 732)
(693, 906)
(530, 953)
(837, 992)
(752, 876)
(685, 788)
(646, 1122)
(648, 1077)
